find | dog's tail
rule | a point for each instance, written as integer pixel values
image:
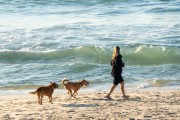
(65, 80)
(33, 92)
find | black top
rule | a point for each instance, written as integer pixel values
(117, 65)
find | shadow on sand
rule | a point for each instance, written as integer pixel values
(121, 99)
(80, 105)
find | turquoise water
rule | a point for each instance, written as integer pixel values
(43, 41)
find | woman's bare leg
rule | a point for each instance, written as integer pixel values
(122, 89)
(111, 90)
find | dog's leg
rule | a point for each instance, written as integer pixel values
(50, 99)
(41, 97)
(70, 93)
(39, 101)
(75, 91)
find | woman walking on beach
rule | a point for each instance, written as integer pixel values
(116, 72)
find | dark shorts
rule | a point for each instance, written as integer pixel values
(117, 80)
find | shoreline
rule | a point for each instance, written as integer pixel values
(92, 105)
(88, 89)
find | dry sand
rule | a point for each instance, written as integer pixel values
(142, 105)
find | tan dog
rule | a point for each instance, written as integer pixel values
(46, 90)
(75, 86)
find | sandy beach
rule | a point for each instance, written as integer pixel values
(142, 105)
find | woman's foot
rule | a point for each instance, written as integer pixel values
(126, 96)
(108, 97)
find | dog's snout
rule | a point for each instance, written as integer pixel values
(87, 83)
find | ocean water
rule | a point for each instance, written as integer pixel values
(48, 40)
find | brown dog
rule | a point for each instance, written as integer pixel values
(46, 90)
(73, 86)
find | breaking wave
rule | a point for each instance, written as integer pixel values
(140, 55)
